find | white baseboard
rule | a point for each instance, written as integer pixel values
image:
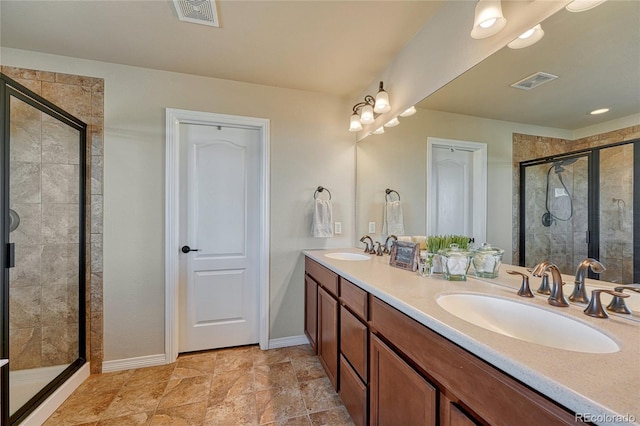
(131, 363)
(284, 342)
(55, 400)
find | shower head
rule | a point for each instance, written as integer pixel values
(557, 165)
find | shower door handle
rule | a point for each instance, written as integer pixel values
(11, 255)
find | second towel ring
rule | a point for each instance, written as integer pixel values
(321, 189)
(388, 192)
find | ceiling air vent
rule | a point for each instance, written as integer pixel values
(534, 81)
(197, 11)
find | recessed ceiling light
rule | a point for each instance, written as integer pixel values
(599, 111)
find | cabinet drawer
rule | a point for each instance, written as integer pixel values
(355, 298)
(353, 342)
(353, 393)
(503, 401)
(322, 275)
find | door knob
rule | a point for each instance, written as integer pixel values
(187, 249)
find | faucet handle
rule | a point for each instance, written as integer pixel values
(594, 309)
(379, 251)
(525, 290)
(544, 285)
(617, 303)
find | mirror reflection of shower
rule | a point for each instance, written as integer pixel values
(550, 216)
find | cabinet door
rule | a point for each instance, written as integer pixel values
(353, 342)
(311, 311)
(398, 394)
(452, 415)
(328, 335)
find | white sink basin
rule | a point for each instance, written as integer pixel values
(526, 322)
(348, 256)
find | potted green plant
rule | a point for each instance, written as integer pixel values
(435, 243)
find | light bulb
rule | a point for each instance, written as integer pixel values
(354, 123)
(488, 19)
(528, 38)
(393, 122)
(408, 112)
(366, 115)
(382, 102)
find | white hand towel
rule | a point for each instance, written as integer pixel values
(392, 220)
(322, 219)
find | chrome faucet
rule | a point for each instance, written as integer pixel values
(557, 297)
(579, 291)
(386, 243)
(617, 303)
(368, 248)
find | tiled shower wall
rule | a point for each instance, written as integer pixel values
(616, 232)
(42, 308)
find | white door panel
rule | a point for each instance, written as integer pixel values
(452, 189)
(456, 188)
(219, 282)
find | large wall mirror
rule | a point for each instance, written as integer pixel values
(596, 57)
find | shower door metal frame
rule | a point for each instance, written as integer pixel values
(8, 88)
(593, 203)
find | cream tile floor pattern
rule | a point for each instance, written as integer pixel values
(237, 386)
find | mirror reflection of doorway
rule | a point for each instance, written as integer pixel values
(456, 188)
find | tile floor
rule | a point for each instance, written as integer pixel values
(237, 386)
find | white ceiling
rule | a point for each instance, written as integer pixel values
(596, 55)
(336, 47)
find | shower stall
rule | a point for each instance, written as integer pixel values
(583, 204)
(42, 326)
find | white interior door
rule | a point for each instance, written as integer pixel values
(452, 186)
(220, 223)
(457, 188)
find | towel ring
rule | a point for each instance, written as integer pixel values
(321, 189)
(388, 192)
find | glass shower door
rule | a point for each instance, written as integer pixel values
(43, 215)
(556, 212)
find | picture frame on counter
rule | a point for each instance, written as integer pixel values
(404, 255)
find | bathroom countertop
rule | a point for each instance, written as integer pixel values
(604, 386)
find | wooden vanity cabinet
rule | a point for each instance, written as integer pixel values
(391, 370)
(487, 394)
(326, 316)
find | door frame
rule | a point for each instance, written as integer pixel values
(174, 118)
(479, 180)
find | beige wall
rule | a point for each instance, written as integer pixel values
(310, 146)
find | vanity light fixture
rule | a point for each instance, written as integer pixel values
(408, 112)
(582, 5)
(364, 112)
(488, 19)
(378, 131)
(599, 111)
(528, 38)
